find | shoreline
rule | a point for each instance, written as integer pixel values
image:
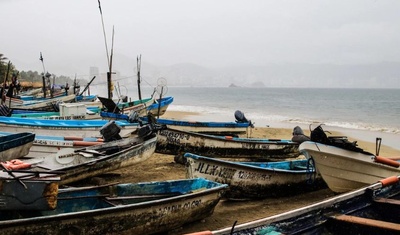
(365, 139)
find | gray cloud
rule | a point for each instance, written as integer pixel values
(204, 32)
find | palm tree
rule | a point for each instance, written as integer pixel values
(3, 66)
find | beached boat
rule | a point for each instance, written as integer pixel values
(79, 164)
(344, 170)
(32, 192)
(39, 105)
(68, 111)
(15, 145)
(370, 210)
(177, 142)
(211, 128)
(80, 128)
(142, 208)
(255, 180)
(124, 110)
(46, 144)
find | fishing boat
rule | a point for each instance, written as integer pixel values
(343, 165)
(33, 192)
(123, 111)
(212, 128)
(68, 111)
(46, 144)
(344, 170)
(15, 145)
(255, 180)
(79, 164)
(80, 128)
(38, 105)
(177, 142)
(142, 208)
(369, 210)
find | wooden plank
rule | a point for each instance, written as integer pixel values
(367, 222)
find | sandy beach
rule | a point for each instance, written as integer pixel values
(162, 167)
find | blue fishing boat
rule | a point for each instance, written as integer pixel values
(212, 128)
(142, 208)
(369, 210)
(255, 180)
(81, 128)
(15, 145)
(120, 111)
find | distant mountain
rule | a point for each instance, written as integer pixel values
(377, 75)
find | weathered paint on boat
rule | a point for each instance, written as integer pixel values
(143, 208)
(30, 193)
(249, 180)
(81, 128)
(94, 160)
(15, 145)
(370, 210)
(171, 141)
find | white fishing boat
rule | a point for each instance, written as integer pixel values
(345, 170)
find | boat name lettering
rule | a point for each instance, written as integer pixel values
(186, 206)
(215, 170)
(174, 137)
(66, 117)
(53, 142)
(254, 146)
(253, 176)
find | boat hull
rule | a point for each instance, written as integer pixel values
(94, 160)
(28, 194)
(15, 145)
(177, 142)
(345, 170)
(255, 180)
(121, 159)
(98, 214)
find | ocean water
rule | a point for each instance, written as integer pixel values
(376, 110)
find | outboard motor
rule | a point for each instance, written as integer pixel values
(110, 131)
(240, 118)
(145, 131)
(133, 117)
(298, 135)
(124, 98)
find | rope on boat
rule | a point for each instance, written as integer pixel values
(311, 171)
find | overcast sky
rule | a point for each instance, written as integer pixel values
(210, 33)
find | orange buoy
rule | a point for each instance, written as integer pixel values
(389, 181)
(228, 137)
(387, 161)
